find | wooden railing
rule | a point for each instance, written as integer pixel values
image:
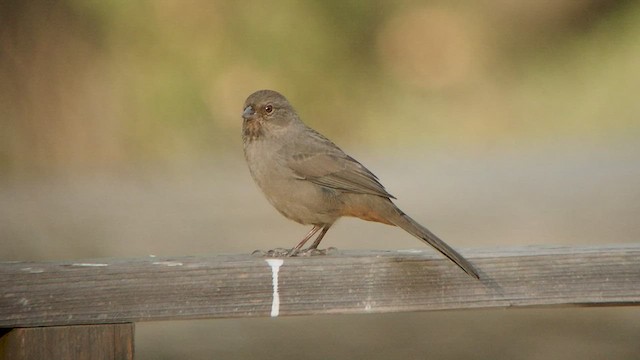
(87, 308)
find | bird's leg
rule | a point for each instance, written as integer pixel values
(319, 238)
(310, 234)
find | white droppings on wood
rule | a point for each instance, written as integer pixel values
(275, 269)
(32, 270)
(89, 264)
(167, 263)
(410, 251)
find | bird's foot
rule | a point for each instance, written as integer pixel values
(273, 253)
(281, 252)
(314, 252)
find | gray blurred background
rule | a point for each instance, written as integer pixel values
(494, 123)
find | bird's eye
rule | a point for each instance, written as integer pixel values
(268, 109)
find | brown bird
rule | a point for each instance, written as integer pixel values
(310, 180)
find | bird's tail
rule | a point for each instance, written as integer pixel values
(412, 227)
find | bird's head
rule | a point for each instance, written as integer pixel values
(266, 111)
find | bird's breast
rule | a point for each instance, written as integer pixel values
(296, 198)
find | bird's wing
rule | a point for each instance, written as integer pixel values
(320, 161)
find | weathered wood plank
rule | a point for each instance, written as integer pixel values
(91, 342)
(154, 288)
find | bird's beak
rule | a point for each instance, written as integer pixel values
(248, 112)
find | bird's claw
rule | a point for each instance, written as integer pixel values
(316, 252)
(281, 252)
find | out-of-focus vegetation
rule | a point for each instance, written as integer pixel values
(92, 84)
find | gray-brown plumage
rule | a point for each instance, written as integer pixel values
(310, 180)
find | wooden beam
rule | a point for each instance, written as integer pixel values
(103, 291)
(109, 341)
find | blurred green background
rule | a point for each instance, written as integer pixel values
(494, 122)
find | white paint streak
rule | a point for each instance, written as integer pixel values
(168, 263)
(89, 264)
(275, 269)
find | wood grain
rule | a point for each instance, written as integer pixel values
(90, 342)
(101, 291)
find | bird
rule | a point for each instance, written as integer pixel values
(310, 180)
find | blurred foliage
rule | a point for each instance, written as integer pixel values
(88, 84)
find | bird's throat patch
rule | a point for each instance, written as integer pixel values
(252, 130)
